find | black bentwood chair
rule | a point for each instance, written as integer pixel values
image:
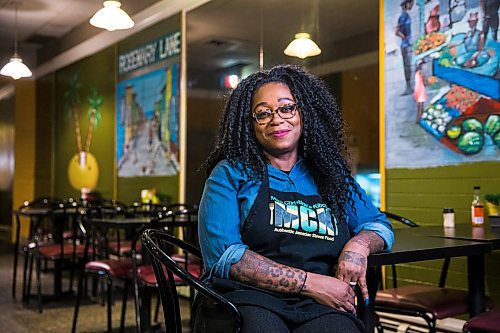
(428, 302)
(166, 268)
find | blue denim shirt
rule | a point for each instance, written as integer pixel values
(229, 195)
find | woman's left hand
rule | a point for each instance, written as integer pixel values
(352, 264)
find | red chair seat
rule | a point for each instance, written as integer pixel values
(53, 251)
(113, 267)
(146, 274)
(441, 302)
(485, 322)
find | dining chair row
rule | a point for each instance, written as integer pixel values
(127, 266)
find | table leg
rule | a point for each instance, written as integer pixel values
(475, 275)
(145, 315)
(58, 267)
(16, 252)
(367, 312)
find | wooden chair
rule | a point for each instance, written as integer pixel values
(167, 271)
(428, 302)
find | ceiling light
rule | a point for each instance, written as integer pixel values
(302, 47)
(111, 17)
(15, 67)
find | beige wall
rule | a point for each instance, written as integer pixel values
(359, 103)
(203, 115)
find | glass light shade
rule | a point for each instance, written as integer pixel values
(16, 68)
(302, 47)
(111, 17)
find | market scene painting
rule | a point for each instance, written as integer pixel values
(441, 82)
(148, 124)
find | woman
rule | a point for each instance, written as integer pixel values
(474, 54)
(279, 208)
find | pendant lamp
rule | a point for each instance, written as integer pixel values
(111, 17)
(302, 47)
(15, 67)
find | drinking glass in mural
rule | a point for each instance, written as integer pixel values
(83, 169)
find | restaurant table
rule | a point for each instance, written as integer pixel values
(35, 215)
(465, 232)
(410, 246)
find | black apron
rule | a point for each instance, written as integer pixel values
(294, 230)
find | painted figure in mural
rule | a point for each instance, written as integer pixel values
(279, 208)
(433, 24)
(474, 54)
(490, 17)
(419, 90)
(457, 11)
(403, 31)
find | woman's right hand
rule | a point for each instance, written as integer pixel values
(329, 291)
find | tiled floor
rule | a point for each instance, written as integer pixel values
(57, 315)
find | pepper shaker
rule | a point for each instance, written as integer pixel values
(448, 218)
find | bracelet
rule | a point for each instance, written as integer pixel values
(303, 284)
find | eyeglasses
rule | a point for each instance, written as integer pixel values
(264, 116)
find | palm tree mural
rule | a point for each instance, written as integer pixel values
(83, 169)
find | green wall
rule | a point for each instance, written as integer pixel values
(97, 70)
(421, 194)
(57, 126)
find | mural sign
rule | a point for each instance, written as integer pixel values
(153, 52)
(147, 135)
(442, 82)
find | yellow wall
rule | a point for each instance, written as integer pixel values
(24, 145)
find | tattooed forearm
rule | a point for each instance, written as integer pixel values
(264, 273)
(370, 240)
(354, 257)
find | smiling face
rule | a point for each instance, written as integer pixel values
(279, 138)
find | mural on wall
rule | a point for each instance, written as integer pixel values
(83, 169)
(442, 82)
(148, 124)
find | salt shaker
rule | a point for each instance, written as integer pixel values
(448, 218)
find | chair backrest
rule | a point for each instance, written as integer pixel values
(411, 224)
(184, 216)
(156, 241)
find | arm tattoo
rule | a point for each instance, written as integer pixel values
(370, 240)
(258, 271)
(354, 257)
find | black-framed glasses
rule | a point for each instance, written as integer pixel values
(264, 116)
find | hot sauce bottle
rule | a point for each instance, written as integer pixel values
(477, 208)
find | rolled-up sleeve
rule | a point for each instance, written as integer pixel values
(219, 222)
(367, 217)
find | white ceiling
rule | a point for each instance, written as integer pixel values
(220, 34)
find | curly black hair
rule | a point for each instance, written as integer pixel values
(321, 145)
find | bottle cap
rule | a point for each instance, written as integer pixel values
(477, 187)
(448, 210)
